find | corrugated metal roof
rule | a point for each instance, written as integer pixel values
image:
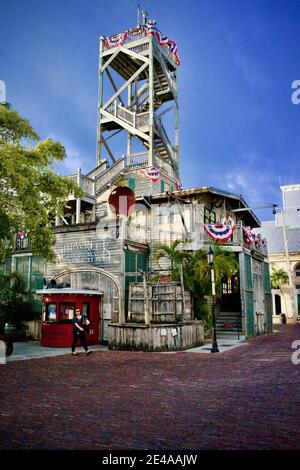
(275, 239)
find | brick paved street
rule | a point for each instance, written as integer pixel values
(246, 398)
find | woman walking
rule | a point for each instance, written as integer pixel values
(79, 331)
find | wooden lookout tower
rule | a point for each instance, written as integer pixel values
(137, 91)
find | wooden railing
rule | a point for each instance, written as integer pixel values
(85, 183)
(130, 117)
(164, 136)
(140, 48)
(200, 238)
(110, 174)
(137, 160)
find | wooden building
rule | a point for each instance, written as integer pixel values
(107, 251)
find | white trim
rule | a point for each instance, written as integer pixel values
(68, 290)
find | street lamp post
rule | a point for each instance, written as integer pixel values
(210, 259)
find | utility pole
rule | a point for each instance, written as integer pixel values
(290, 273)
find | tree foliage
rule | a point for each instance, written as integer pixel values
(16, 303)
(30, 193)
(279, 277)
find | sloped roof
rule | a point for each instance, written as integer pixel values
(275, 239)
(240, 201)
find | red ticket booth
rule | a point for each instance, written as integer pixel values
(59, 308)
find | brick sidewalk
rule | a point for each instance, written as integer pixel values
(246, 398)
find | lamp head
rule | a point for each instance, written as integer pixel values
(210, 256)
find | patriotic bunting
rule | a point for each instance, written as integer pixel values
(21, 235)
(116, 40)
(248, 235)
(150, 30)
(221, 233)
(257, 241)
(153, 174)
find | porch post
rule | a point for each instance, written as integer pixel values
(78, 200)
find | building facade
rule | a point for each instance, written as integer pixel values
(104, 246)
(283, 235)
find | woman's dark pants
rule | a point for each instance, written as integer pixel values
(80, 335)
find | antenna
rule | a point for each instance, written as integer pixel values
(138, 14)
(145, 15)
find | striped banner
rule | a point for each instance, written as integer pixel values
(150, 30)
(220, 233)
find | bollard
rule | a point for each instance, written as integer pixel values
(2, 352)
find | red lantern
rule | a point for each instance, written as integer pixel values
(122, 200)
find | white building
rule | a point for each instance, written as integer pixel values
(283, 235)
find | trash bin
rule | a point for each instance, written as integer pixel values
(283, 318)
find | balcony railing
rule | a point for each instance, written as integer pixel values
(84, 182)
(140, 48)
(199, 238)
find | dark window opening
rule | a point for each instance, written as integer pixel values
(277, 304)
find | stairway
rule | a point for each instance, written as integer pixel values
(229, 325)
(105, 179)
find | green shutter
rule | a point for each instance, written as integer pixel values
(130, 262)
(134, 260)
(22, 267)
(142, 261)
(162, 186)
(268, 298)
(172, 188)
(267, 281)
(249, 296)
(37, 273)
(131, 183)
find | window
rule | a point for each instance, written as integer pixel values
(22, 267)
(37, 273)
(209, 216)
(51, 310)
(66, 311)
(297, 272)
(297, 286)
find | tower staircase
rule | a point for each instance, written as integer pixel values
(149, 70)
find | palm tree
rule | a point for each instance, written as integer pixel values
(173, 255)
(279, 278)
(225, 265)
(196, 271)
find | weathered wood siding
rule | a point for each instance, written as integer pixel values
(83, 250)
(165, 303)
(156, 338)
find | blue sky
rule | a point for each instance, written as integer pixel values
(239, 129)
